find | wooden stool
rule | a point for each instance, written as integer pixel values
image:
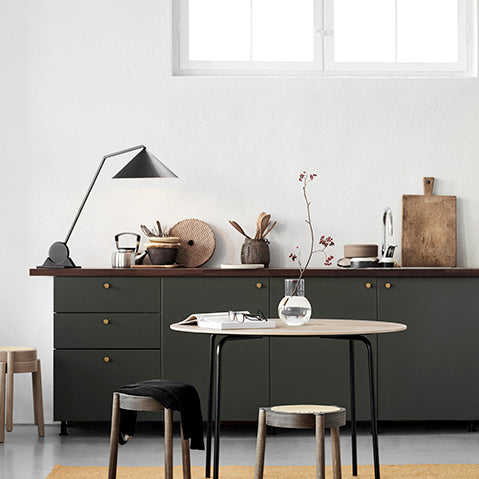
(19, 360)
(303, 417)
(144, 403)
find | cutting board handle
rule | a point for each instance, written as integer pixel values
(428, 185)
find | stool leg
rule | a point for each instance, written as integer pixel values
(336, 452)
(38, 399)
(260, 445)
(185, 450)
(319, 428)
(168, 443)
(35, 405)
(3, 369)
(114, 434)
(10, 368)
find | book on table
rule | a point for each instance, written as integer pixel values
(229, 320)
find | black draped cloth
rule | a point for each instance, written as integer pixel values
(172, 395)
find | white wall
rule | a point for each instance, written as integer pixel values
(82, 79)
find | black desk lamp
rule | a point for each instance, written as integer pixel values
(143, 165)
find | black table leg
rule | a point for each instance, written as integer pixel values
(63, 428)
(210, 406)
(372, 401)
(216, 456)
(352, 394)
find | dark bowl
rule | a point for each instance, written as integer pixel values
(162, 255)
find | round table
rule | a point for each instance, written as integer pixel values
(345, 329)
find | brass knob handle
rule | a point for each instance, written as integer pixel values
(106, 359)
(259, 285)
(106, 285)
(387, 285)
(106, 321)
(368, 285)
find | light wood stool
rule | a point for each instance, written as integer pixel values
(19, 360)
(144, 403)
(305, 416)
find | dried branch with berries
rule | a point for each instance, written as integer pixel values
(324, 241)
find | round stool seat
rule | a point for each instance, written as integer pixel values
(302, 416)
(24, 359)
(16, 348)
(138, 403)
(20, 354)
(306, 409)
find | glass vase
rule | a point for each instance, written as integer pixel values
(294, 309)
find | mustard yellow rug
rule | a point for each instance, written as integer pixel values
(425, 471)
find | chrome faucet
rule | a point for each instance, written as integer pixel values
(387, 225)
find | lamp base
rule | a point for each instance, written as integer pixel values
(58, 257)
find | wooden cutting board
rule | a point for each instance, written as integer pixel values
(429, 229)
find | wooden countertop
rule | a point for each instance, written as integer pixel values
(268, 272)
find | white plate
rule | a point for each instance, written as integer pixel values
(242, 266)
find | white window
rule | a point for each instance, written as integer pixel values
(324, 37)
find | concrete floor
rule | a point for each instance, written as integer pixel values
(25, 456)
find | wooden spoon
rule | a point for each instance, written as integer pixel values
(258, 225)
(264, 224)
(268, 229)
(237, 227)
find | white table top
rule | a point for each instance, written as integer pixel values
(314, 327)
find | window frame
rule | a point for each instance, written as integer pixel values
(323, 64)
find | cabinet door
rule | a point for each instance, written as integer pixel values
(185, 355)
(313, 370)
(84, 382)
(429, 371)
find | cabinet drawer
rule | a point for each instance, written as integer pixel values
(84, 382)
(107, 330)
(115, 295)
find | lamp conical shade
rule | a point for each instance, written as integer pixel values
(145, 165)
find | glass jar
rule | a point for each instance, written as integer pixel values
(294, 309)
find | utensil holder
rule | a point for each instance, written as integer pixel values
(255, 251)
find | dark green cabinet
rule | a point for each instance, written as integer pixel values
(424, 373)
(428, 372)
(185, 356)
(313, 370)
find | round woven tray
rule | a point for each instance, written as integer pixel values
(305, 409)
(197, 240)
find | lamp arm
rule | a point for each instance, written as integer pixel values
(93, 182)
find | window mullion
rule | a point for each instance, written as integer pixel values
(396, 31)
(251, 30)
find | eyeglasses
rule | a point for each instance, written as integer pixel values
(242, 317)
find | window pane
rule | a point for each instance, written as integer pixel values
(283, 30)
(219, 30)
(427, 31)
(364, 31)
